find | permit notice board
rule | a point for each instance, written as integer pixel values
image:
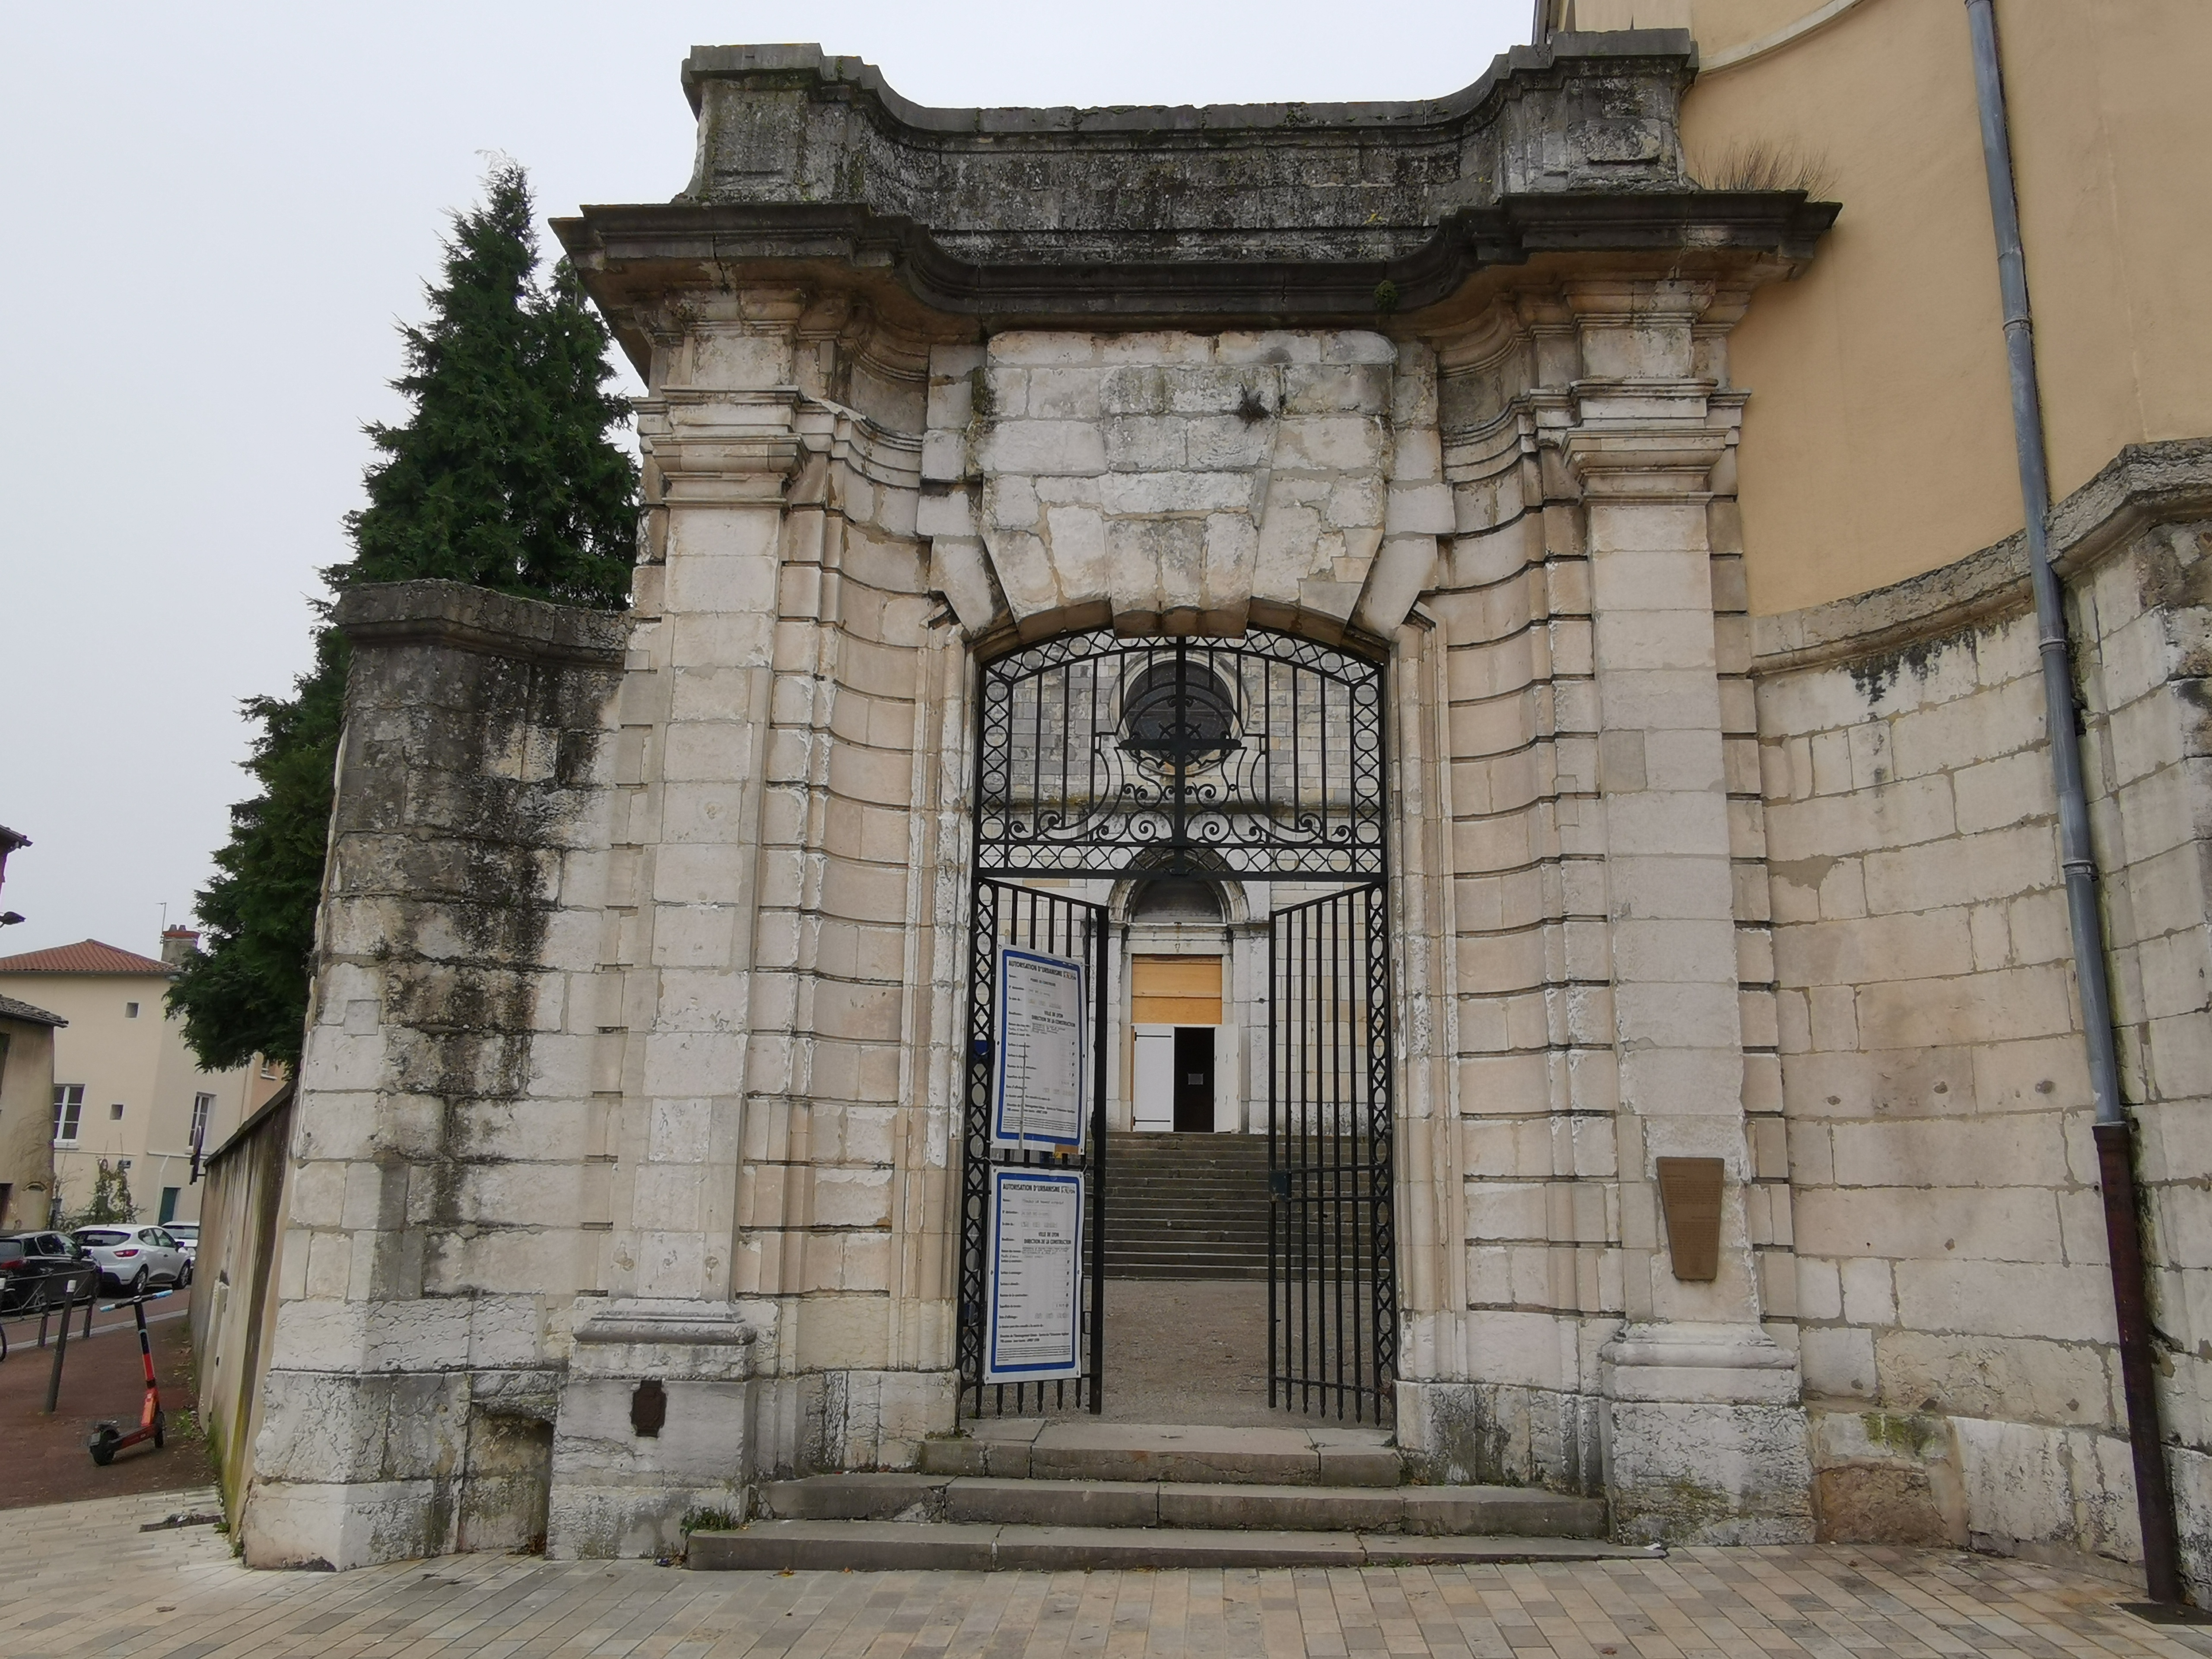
(1034, 1332)
(1040, 1052)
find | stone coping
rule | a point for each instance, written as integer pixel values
(833, 76)
(2143, 484)
(480, 620)
(808, 167)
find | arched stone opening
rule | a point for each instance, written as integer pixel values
(1200, 824)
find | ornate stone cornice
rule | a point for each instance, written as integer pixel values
(631, 256)
(713, 445)
(810, 171)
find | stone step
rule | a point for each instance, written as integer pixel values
(1424, 1511)
(1153, 1193)
(1032, 1449)
(899, 1545)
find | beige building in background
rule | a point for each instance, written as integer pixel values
(27, 1090)
(27, 1082)
(125, 1088)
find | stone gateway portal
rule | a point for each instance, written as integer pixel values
(1214, 694)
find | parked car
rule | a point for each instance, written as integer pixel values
(30, 1263)
(187, 1234)
(136, 1258)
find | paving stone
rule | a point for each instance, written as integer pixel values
(82, 1580)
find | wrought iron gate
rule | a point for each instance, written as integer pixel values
(1332, 1284)
(1105, 758)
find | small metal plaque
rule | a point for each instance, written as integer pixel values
(1690, 1193)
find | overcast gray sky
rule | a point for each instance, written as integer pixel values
(218, 212)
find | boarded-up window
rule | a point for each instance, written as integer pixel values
(1176, 991)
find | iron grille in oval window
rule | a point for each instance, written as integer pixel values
(1101, 755)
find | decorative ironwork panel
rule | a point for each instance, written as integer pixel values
(1098, 755)
(1331, 1284)
(1059, 926)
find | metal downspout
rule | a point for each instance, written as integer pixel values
(2077, 857)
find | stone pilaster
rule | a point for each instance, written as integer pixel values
(1704, 1431)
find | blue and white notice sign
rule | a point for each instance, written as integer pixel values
(1035, 1329)
(1039, 1054)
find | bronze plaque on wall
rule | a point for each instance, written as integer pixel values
(1690, 1193)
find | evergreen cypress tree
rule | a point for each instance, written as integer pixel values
(504, 476)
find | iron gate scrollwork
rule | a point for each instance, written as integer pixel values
(1100, 756)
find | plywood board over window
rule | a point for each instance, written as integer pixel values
(1176, 991)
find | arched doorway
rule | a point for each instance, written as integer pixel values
(1171, 770)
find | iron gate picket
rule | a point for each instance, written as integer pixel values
(1055, 925)
(1100, 756)
(1332, 1283)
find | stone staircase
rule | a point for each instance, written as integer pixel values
(1029, 1492)
(1186, 1207)
(1195, 1206)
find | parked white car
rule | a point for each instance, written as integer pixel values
(136, 1258)
(187, 1234)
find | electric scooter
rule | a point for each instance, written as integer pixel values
(106, 1439)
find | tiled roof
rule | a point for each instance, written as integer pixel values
(86, 957)
(11, 1009)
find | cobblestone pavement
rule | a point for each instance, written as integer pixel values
(82, 1580)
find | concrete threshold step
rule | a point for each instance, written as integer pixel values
(1032, 1449)
(1421, 1512)
(898, 1546)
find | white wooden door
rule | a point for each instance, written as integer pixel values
(1152, 1103)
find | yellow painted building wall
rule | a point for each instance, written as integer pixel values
(1877, 443)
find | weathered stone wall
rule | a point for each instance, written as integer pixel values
(783, 1142)
(241, 1236)
(1593, 843)
(448, 1195)
(1181, 481)
(1954, 1295)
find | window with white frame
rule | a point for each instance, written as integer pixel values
(69, 1112)
(202, 1105)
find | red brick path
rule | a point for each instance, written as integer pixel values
(43, 1459)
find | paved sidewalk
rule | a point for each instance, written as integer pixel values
(82, 1580)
